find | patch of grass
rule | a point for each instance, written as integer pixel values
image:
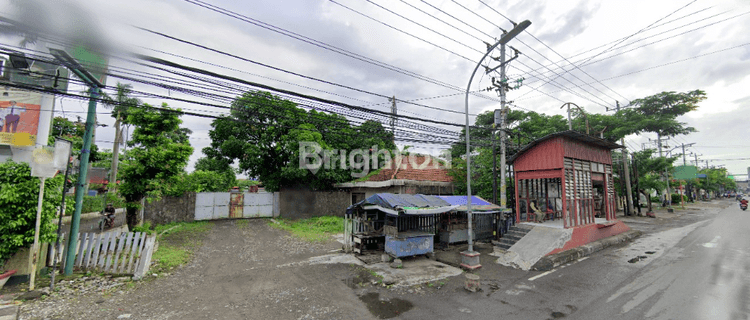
(312, 229)
(146, 227)
(177, 241)
(242, 223)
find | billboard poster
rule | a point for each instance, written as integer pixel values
(19, 117)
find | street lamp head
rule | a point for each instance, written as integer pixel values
(514, 32)
(72, 64)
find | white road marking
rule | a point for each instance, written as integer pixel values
(713, 243)
(541, 275)
(553, 270)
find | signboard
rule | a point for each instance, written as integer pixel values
(19, 117)
(685, 172)
(38, 74)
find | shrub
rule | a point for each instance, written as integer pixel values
(19, 194)
(676, 198)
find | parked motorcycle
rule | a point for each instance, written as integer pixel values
(743, 204)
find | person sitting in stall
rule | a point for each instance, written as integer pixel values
(538, 214)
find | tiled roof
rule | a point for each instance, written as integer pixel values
(414, 168)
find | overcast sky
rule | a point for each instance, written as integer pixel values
(622, 50)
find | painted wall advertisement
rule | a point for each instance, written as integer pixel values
(19, 117)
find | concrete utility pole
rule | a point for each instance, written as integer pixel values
(394, 111)
(470, 258)
(503, 125)
(626, 170)
(494, 159)
(570, 121)
(667, 195)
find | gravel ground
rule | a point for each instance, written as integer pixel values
(241, 271)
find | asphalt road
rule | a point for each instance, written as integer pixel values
(697, 268)
(705, 276)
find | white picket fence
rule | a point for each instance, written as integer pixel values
(111, 252)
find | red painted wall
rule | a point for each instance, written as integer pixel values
(544, 156)
(590, 233)
(578, 150)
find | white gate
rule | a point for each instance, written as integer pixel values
(220, 205)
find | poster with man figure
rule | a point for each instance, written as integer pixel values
(19, 117)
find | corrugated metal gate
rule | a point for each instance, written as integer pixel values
(223, 205)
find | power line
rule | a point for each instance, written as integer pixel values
(404, 32)
(664, 64)
(642, 39)
(322, 45)
(83, 97)
(419, 24)
(578, 86)
(666, 38)
(283, 70)
(628, 37)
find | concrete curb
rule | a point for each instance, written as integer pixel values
(547, 263)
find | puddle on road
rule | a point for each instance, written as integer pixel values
(557, 315)
(638, 258)
(385, 309)
(650, 252)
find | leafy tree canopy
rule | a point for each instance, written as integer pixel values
(158, 154)
(263, 134)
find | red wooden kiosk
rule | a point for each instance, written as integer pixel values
(565, 180)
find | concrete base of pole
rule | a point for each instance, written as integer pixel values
(470, 260)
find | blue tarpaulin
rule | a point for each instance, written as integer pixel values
(461, 200)
(399, 201)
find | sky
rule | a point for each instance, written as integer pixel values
(591, 53)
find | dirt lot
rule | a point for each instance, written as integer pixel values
(244, 270)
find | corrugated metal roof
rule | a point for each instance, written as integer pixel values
(568, 134)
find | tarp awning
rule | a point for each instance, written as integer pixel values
(428, 211)
(398, 202)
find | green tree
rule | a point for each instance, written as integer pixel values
(19, 192)
(650, 172)
(658, 113)
(73, 131)
(156, 158)
(716, 180)
(263, 134)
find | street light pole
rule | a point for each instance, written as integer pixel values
(95, 85)
(471, 258)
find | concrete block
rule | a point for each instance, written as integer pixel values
(397, 264)
(472, 282)
(8, 312)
